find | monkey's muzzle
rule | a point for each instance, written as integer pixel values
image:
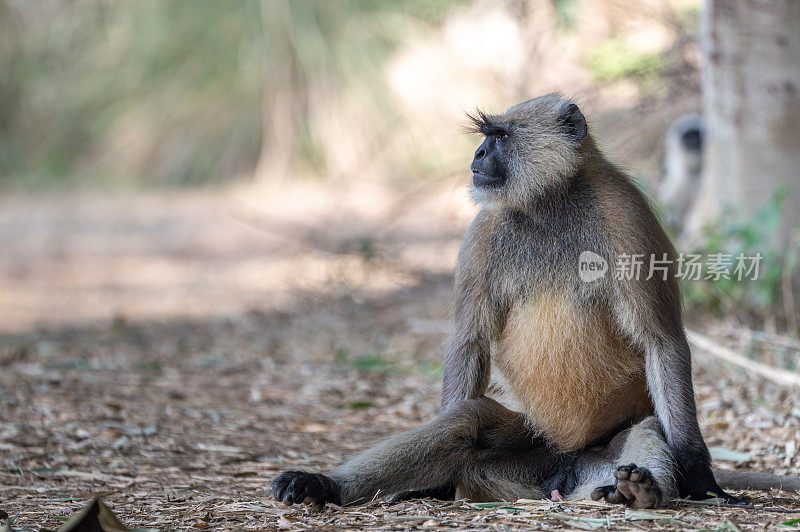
(481, 180)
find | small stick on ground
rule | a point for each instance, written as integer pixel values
(776, 375)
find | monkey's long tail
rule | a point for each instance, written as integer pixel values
(753, 480)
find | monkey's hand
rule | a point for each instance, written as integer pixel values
(298, 487)
(634, 487)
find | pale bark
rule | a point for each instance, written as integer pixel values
(752, 110)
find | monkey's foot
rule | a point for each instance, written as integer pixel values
(635, 487)
(298, 486)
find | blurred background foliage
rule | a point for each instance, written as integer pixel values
(142, 92)
(105, 94)
(172, 93)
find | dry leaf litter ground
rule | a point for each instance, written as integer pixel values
(175, 352)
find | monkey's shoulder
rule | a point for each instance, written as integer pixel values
(628, 217)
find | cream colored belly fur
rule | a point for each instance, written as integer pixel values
(569, 371)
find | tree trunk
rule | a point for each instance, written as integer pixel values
(752, 110)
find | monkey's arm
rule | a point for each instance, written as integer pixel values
(650, 311)
(466, 369)
(467, 364)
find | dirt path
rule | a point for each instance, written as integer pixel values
(175, 352)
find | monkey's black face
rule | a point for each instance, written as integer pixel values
(490, 166)
(531, 148)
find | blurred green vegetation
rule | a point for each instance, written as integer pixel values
(173, 85)
(734, 234)
(613, 60)
(566, 12)
(376, 362)
(175, 93)
(100, 94)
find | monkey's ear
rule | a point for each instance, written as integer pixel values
(572, 121)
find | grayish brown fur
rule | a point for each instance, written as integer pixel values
(584, 365)
(519, 260)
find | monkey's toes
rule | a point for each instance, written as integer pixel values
(638, 487)
(639, 475)
(609, 493)
(297, 486)
(635, 487)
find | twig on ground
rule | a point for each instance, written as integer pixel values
(713, 502)
(776, 340)
(726, 506)
(779, 376)
(415, 518)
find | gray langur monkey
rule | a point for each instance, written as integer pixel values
(591, 373)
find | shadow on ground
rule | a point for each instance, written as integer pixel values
(181, 404)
